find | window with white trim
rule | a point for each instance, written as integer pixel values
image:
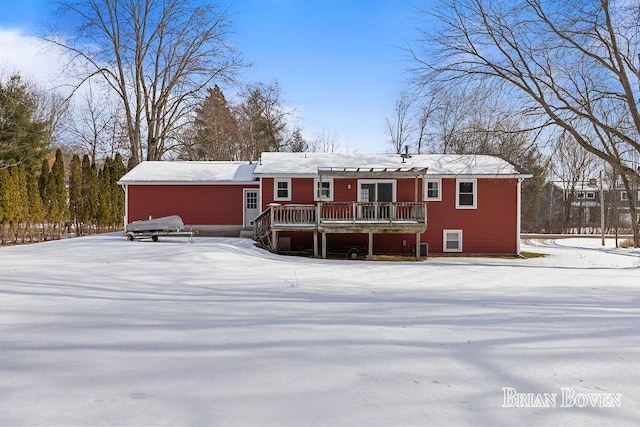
(623, 196)
(590, 195)
(452, 241)
(433, 189)
(466, 193)
(282, 189)
(324, 189)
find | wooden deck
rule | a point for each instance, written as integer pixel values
(340, 217)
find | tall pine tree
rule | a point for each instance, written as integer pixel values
(43, 181)
(75, 189)
(104, 195)
(89, 192)
(36, 208)
(56, 197)
(23, 138)
(117, 193)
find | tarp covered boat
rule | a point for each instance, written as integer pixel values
(163, 226)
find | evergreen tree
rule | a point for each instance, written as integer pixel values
(215, 130)
(9, 197)
(43, 181)
(36, 208)
(297, 143)
(56, 201)
(75, 189)
(20, 177)
(104, 195)
(117, 196)
(22, 137)
(89, 192)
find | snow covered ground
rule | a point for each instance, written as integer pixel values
(103, 331)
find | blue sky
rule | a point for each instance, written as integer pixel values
(340, 64)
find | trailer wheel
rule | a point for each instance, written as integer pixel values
(130, 236)
(353, 253)
(154, 238)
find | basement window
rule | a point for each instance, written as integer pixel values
(452, 241)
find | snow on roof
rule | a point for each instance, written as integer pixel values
(437, 164)
(189, 172)
(292, 164)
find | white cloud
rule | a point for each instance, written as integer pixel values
(34, 59)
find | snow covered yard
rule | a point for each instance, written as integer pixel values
(103, 331)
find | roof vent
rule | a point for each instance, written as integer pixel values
(406, 154)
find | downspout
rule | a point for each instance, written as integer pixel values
(518, 211)
(126, 206)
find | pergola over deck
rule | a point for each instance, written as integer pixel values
(348, 217)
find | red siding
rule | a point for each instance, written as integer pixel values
(491, 228)
(196, 204)
(302, 190)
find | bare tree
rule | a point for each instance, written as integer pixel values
(400, 127)
(96, 128)
(572, 64)
(158, 56)
(326, 142)
(572, 165)
(425, 112)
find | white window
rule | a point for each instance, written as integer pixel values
(591, 195)
(452, 241)
(433, 189)
(623, 195)
(466, 193)
(324, 189)
(580, 195)
(282, 189)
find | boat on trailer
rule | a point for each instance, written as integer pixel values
(171, 225)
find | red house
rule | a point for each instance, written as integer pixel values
(209, 196)
(321, 203)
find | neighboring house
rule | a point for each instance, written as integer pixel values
(576, 207)
(321, 203)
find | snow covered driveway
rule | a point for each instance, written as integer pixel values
(103, 331)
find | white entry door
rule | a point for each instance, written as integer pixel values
(251, 205)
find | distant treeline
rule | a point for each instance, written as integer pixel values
(38, 203)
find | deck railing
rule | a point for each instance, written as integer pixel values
(391, 213)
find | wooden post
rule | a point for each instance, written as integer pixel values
(417, 246)
(315, 243)
(602, 210)
(324, 245)
(274, 241)
(274, 233)
(354, 211)
(370, 256)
